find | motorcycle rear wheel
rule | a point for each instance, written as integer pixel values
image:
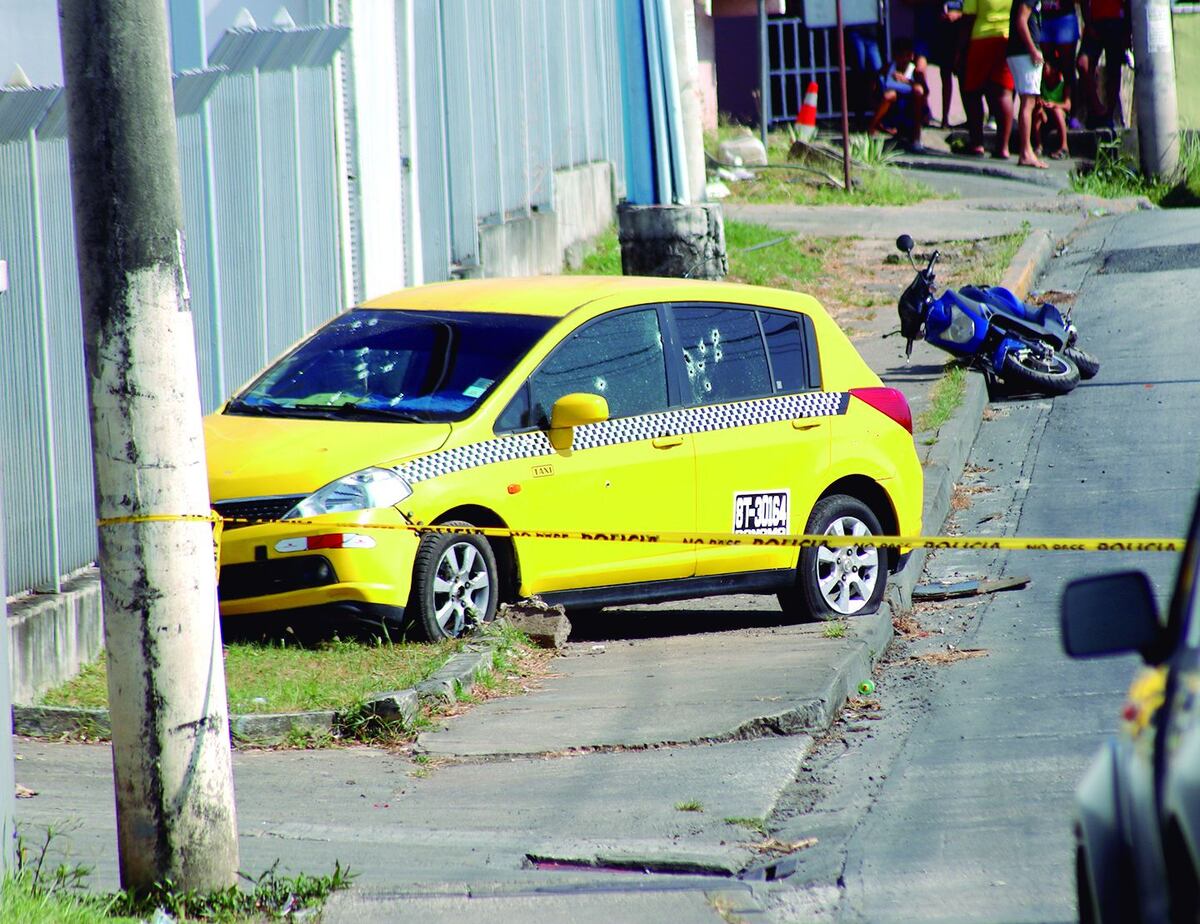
(1085, 362)
(1051, 375)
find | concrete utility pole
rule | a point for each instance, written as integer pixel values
(166, 683)
(1154, 88)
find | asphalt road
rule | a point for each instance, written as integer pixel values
(955, 803)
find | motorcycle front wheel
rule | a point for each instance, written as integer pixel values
(1085, 362)
(1052, 374)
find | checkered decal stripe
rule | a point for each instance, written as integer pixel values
(629, 430)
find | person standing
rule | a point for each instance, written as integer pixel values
(987, 74)
(1025, 63)
(1105, 29)
(1060, 34)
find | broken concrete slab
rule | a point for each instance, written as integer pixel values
(781, 680)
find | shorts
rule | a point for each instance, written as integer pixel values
(1060, 30)
(1108, 35)
(987, 63)
(1027, 76)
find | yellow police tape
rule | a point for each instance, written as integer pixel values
(987, 543)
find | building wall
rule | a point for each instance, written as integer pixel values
(1187, 66)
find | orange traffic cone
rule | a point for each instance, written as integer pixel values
(806, 118)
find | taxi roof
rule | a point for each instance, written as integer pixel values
(557, 296)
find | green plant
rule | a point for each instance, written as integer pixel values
(691, 805)
(834, 629)
(873, 150)
(1115, 174)
(268, 896)
(757, 825)
(945, 399)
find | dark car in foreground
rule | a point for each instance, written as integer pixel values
(1138, 806)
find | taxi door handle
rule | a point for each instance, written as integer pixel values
(666, 442)
(805, 423)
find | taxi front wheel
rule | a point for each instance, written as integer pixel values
(455, 584)
(836, 582)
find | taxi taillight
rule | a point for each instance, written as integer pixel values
(888, 401)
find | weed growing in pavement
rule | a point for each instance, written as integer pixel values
(268, 896)
(757, 825)
(37, 893)
(1115, 174)
(945, 399)
(834, 629)
(691, 805)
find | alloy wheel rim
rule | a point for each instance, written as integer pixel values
(462, 588)
(847, 577)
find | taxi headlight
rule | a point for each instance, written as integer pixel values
(361, 490)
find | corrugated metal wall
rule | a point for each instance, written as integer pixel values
(508, 91)
(256, 141)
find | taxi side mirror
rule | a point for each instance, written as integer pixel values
(574, 410)
(1110, 614)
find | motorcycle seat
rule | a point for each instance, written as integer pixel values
(1039, 319)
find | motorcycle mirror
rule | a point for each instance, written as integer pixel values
(904, 243)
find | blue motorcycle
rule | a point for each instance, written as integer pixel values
(1028, 347)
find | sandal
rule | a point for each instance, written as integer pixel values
(1059, 155)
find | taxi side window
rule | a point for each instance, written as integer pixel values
(723, 354)
(619, 357)
(792, 349)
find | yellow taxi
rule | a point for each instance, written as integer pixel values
(614, 406)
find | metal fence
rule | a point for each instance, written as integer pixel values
(798, 55)
(263, 260)
(506, 92)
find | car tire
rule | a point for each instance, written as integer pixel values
(835, 583)
(456, 584)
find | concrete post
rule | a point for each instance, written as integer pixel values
(1154, 88)
(686, 241)
(166, 685)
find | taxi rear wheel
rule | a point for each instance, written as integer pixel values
(456, 584)
(832, 583)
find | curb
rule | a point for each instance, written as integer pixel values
(978, 169)
(956, 437)
(395, 706)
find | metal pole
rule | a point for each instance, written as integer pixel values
(841, 43)
(764, 73)
(1154, 88)
(166, 680)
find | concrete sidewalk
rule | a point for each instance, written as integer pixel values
(628, 786)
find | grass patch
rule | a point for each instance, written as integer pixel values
(283, 676)
(604, 259)
(875, 181)
(758, 255)
(946, 398)
(834, 629)
(1115, 174)
(691, 805)
(757, 825)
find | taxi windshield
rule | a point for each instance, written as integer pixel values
(373, 364)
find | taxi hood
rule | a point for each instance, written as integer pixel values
(251, 456)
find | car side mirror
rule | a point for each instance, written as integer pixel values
(571, 411)
(1110, 614)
